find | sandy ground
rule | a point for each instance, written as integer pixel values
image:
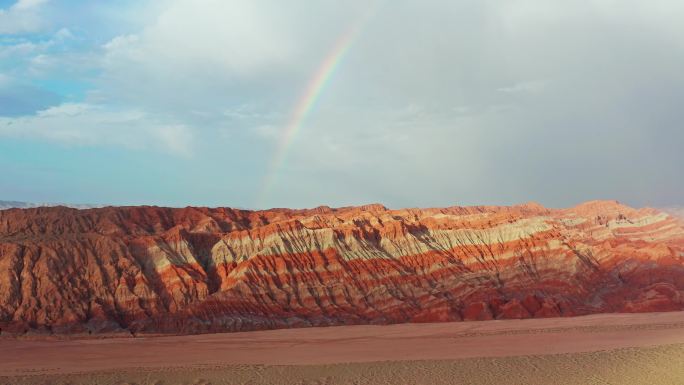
(599, 349)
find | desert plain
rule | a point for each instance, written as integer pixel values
(644, 348)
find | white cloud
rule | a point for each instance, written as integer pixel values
(83, 124)
(268, 132)
(22, 17)
(523, 87)
(20, 49)
(209, 48)
(23, 5)
(63, 34)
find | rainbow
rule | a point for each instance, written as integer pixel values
(310, 96)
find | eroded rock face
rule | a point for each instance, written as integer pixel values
(193, 270)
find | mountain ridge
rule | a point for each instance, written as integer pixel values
(148, 269)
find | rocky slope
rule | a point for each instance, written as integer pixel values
(162, 270)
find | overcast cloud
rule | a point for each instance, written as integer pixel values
(435, 103)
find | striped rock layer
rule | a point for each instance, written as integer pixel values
(194, 270)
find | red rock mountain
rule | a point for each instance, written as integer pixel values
(192, 270)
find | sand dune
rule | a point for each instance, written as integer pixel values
(601, 349)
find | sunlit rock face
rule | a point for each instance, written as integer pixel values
(194, 270)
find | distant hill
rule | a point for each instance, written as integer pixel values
(27, 205)
(677, 211)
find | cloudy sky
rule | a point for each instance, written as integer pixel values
(264, 103)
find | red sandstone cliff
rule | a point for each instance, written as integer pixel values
(151, 269)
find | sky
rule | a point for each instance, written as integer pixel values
(270, 103)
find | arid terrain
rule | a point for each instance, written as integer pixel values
(151, 270)
(645, 348)
(472, 295)
(359, 192)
